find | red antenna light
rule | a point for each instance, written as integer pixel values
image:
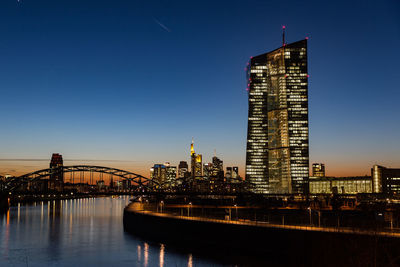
(283, 35)
(307, 38)
(308, 75)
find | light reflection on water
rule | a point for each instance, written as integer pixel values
(79, 232)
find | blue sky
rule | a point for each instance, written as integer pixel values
(136, 80)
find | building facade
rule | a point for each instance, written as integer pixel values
(183, 169)
(318, 170)
(340, 185)
(385, 180)
(170, 173)
(217, 167)
(158, 173)
(277, 155)
(207, 169)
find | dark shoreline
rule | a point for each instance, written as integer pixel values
(266, 245)
(6, 201)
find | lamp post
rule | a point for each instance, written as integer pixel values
(236, 212)
(189, 207)
(309, 209)
(319, 218)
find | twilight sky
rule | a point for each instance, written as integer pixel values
(131, 82)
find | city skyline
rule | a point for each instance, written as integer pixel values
(351, 117)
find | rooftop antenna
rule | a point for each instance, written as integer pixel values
(215, 152)
(283, 35)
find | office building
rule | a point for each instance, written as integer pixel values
(232, 172)
(228, 173)
(277, 156)
(235, 172)
(183, 169)
(196, 163)
(208, 169)
(170, 173)
(318, 170)
(198, 171)
(218, 167)
(158, 173)
(340, 185)
(385, 180)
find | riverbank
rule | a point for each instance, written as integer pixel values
(7, 201)
(283, 244)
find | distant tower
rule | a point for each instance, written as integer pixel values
(56, 180)
(192, 160)
(192, 148)
(199, 166)
(170, 174)
(183, 169)
(218, 168)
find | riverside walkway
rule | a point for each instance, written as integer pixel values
(163, 211)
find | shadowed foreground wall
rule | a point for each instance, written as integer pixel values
(266, 244)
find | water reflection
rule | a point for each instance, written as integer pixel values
(190, 261)
(54, 237)
(146, 254)
(80, 232)
(162, 248)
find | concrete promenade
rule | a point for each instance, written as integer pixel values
(294, 244)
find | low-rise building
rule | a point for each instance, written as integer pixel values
(340, 185)
(385, 180)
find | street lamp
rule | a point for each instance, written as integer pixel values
(190, 205)
(309, 209)
(162, 206)
(236, 212)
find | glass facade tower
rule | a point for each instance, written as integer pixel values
(277, 156)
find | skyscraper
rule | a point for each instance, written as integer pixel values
(183, 169)
(218, 167)
(158, 172)
(198, 170)
(277, 158)
(196, 162)
(207, 169)
(170, 174)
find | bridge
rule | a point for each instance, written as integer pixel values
(138, 182)
(76, 175)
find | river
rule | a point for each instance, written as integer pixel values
(81, 232)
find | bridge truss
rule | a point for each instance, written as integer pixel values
(139, 181)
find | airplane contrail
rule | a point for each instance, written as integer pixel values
(162, 25)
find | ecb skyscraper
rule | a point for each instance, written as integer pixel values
(277, 156)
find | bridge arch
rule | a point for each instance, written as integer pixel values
(139, 180)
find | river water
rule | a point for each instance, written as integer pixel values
(81, 232)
